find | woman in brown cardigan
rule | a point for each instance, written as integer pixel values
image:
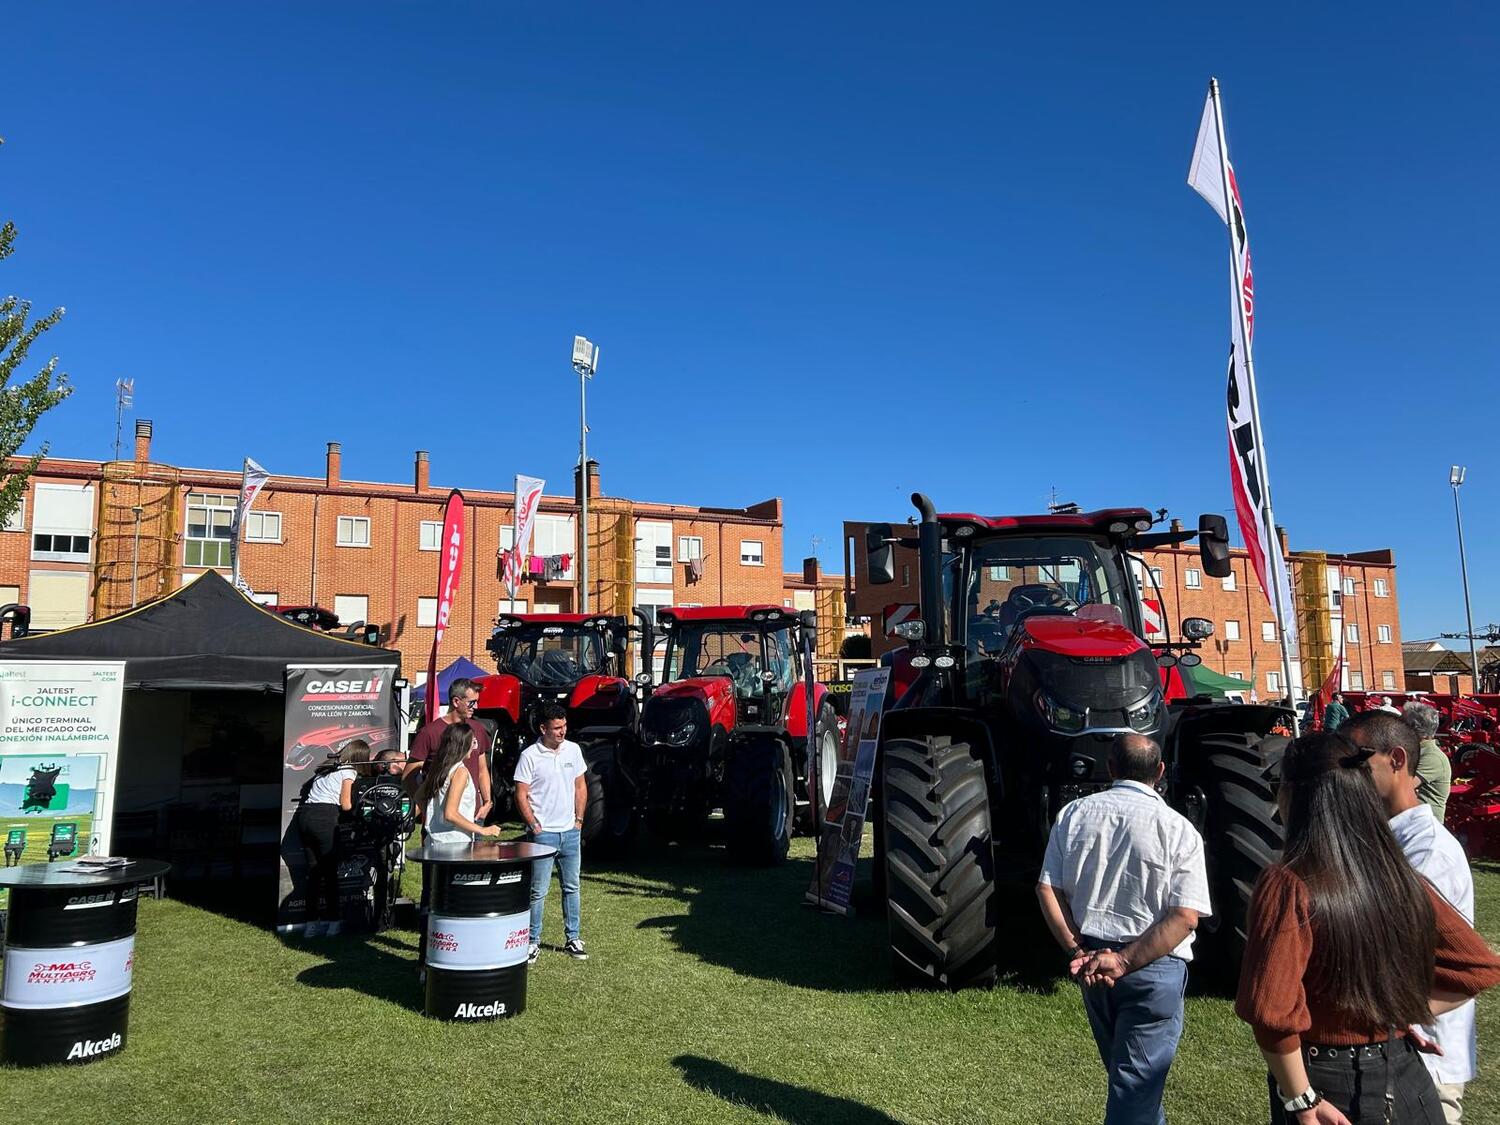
(1347, 948)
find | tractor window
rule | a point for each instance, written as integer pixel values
(779, 660)
(551, 655)
(1012, 578)
(718, 650)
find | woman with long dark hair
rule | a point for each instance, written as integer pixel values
(447, 794)
(1348, 947)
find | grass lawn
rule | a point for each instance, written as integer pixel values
(712, 995)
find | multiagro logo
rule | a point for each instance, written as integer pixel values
(519, 939)
(61, 972)
(92, 1048)
(441, 942)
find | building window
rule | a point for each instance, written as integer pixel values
(786, 603)
(689, 548)
(653, 542)
(430, 536)
(16, 521)
(1192, 579)
(1156, 575)
(1383, 634)
(266, 597)
(1336, 600)
(9, 594)
(1229, 581)
(1349, 587)
(208, 529)
(1356, 680)
(426, 613)
(1268, 630)
(1231, 630)
(999, 573)
(1388, 681)
(507, 536)
(1351, 633)
(262, 527)
(353, 531)
(506, 605)
(60, 548)
(750, 553)
(351, 608)
(1273, 682)
(1381, 589)
(1238, 675)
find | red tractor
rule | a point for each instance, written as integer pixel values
(576, 660)
(1030, 661)
(727, 728)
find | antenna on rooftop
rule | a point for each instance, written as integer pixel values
(124, 400)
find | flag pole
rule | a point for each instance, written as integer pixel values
(239, 516)
(1278, 572)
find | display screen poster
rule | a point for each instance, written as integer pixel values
(327, 707)
(844, 826)
(59, 743)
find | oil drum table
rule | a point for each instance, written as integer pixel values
(479, 929)
(69, 954)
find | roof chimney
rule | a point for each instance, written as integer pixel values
(143, 440)
(335, 463)
(593, 482)
(423, 466)
(810, 571)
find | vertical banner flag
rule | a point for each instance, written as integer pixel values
(326, 707)
(528, 499)
(844, 821)
(1248, 477)
(450, 567)
(252, 480)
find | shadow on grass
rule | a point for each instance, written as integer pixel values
(754, 922)
(795, 1104)
(364, 964)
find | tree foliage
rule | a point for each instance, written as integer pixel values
(22, 403)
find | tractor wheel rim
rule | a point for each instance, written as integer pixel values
(778, 805)
(828, 765)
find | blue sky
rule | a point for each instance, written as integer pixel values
(832, 253)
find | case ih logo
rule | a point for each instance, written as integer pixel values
(447, 943)
(90, 1048)
(343, 687)
(80, 902)
(479, 1011)
(519, 938)
(471, 878)
(61, 972)
(504, 877)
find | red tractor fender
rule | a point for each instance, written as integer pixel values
(796, 702)
(500, 692)
(597, 691)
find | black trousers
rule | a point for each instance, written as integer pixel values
(1357, 1087)
(317, 825)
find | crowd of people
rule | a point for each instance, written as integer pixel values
(1361, 961)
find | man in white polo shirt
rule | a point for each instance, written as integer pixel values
(1439, 858)
(551, 793)
(1122, 887)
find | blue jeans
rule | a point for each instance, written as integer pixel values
(569, 847)
(1136, 1025)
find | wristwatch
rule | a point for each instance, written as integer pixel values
(1302, 1102)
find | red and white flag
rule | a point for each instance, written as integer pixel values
(528, 499)
(1207, 176)
(252, 480)
(450, 568)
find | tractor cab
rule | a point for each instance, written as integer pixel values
(743, 661)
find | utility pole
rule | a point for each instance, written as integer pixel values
(1456, 478)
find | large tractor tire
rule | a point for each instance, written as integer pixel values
(818, 772)
(939, 861)
(611, 817)
(1242, 833)
(759, 801)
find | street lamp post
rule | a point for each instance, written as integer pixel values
(135, 561)
(1456, 478)
(585, 362)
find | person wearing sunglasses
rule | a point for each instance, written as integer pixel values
(1439, 858)
(463, 698)
(1348, 947)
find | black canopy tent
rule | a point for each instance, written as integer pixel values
(207, 636)
(199, 773)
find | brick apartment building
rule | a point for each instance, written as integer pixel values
(1343, 600)
(94, 537)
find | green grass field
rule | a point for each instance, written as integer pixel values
(712, 995)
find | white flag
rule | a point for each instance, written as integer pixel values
(1204, 173)
(528, 499)
(252, 481)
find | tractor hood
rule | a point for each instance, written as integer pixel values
(1079, 638)
(712, 691)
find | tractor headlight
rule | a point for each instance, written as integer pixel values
(683, 735)
(1144, 714)
(1059, 716)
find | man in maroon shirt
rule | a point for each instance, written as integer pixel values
(463, 697)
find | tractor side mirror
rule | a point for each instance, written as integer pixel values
(880, 554)
(1213, 545)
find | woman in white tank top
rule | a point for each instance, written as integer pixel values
(447, 791)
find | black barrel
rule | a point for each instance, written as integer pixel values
(69, 959)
